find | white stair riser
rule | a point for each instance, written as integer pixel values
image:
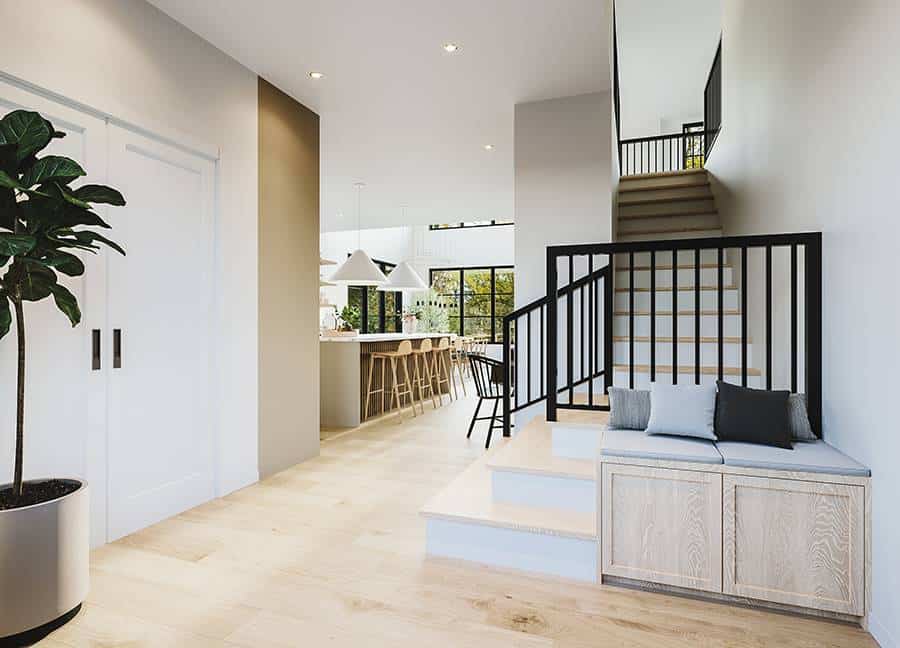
(688, 191)
(685, 257)
(544, 491)
(680, 207)
(709, 353)
(642, 380)
(709, 300)
(708, 277)
(529, 551)
(708, 325)
(625, 227)
(576, 442)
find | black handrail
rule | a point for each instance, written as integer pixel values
(617, 102)
(662, 153)
(659, 252)
(712, 101)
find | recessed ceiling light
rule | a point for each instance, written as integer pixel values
(316, 75)
(488, 147)
(450, 48)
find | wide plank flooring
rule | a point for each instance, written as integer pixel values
(331, 553)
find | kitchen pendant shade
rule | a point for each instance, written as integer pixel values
(404, 277)
(359, 270)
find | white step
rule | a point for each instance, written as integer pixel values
(709, 322)
(576, 440)
(464, 522)
(708, 376)
(527, 471)
(709, 298)
(709, 274)
(663, 193)
(709, 350)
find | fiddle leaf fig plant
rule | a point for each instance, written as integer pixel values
(44, 221)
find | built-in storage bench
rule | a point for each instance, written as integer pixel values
(785, 527)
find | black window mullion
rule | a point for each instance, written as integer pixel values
(493, 305)
(462, 303)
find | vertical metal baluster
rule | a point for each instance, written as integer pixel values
(674, 317)
(652, 315)
(744, 288)
(721, 304)
(581, 326)
(812, 333)
(768, 317)
(794, 318)
(516, 355)
(543, 392)
(608, 312)
(508, 378)
(552, 330)
(528, 353)
(570, 314)
(697, 316)
(631, 320)
(591, 330)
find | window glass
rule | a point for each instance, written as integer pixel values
(446, 284)
(485, 295)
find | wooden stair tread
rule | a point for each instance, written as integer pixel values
(689, 369)
(634, 217)
(663, 187)
(677, 230)
(468, 498)
(661, 174)
(669, 199)
(531, 451)
(680, 289)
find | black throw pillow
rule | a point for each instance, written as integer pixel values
(752, 415)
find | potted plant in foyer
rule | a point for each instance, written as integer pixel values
(44, 538)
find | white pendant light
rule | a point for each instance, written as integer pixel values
(404, 277)
(358, 269)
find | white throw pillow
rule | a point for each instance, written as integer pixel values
(683, 410)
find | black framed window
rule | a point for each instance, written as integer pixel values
(467, 224)
(477, 298)
(379, 311)
(693, 145)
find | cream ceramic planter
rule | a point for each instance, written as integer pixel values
(44, 564)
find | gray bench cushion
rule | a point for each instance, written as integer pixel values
(636, 444)
(813, 457)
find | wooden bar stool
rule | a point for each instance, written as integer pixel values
(398, 389)
(458, 363)
(422, 376)
(440, 367)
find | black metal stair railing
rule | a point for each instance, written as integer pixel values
(524, 345)
(663, 153)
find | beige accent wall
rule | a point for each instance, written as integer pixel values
(288, 281)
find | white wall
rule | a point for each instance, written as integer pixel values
(665, 52)
(809, 142)
(129, 60)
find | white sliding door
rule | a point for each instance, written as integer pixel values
(160, 432)
(65, 410)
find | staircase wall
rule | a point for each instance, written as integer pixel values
(809, 142)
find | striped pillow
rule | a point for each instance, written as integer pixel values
(629, 409)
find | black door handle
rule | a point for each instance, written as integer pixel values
(117, 348)
(95, 349)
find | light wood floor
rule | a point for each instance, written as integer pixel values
(331, 553)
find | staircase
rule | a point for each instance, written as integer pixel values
(675, 204)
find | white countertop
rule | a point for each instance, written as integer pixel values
(384, 337)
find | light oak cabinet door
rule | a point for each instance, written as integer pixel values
(662, 525)
(794, 542)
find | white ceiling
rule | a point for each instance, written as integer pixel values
(399, 113)
(666, 49)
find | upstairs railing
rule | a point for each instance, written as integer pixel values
(712, 101)
(688, 310)
(662, 153)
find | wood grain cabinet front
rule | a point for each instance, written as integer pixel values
(662, 525)
(794, 542)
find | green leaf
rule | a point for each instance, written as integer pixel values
(89, 238)
(99, 194)
(8, 182)
(52, 168)
(37, 282)
(28, 130)
(5, 316)
(66, 302)
(66, 263)
(16, 244)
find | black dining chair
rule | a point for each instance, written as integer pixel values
(488, 376)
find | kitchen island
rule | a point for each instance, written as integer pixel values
(344, 369)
